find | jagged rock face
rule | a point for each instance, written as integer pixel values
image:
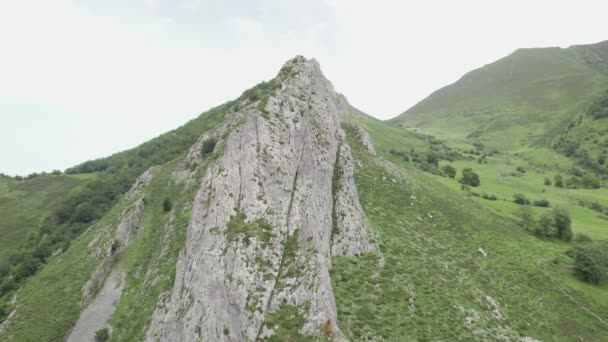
(267, 218)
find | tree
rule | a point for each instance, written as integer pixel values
(521, 199)
(469, 177)
(590, 261)
(558, 180)
(545, 226)
(449, 171)
(84, 213)
(547, 181)
(563, 224)
(526, 217)
(167, 205)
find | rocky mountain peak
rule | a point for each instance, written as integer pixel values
(268, 216)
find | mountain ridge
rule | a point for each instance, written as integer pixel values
(288, 214)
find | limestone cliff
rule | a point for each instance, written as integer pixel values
(267, 218)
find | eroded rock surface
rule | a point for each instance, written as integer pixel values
(260, 234)
(99, 311)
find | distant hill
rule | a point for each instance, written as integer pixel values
(527, 98)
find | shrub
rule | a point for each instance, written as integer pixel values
(545, 226)
(432, 159)
(449, 171)
(572, 182)
(167, 204)
(541, 203)
(84, 213)
(489, 197)
(563, 224)
(208, 146)
(590, 181)
(547, 181)
(102, 335)
(558, 181)
(582, 238)
(526, 216)
(469, 177)
(521, 199)
(590, 261)
(521, 169)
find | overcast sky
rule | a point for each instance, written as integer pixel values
(84, 79)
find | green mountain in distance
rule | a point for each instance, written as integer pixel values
(524, 99)
(290, 215)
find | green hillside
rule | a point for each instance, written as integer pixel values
(526, 98)
(458, 261)
(67, 215)
(435, 283)
(524, 121)
(26, 204)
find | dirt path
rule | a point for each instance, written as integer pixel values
(97, 313)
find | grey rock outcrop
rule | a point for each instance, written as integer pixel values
(267, 218)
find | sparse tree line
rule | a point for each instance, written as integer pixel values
(590, 257)
(578, 179)
(31, 175)
(572, 146)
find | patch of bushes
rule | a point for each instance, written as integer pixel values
(449, 171)
(489, 197)
(590, 261)
(582, 238)
(554, 224)
(208, 146)
(599, 109)
(558, 180)
(469, 177)
(541, 203)
(521, 199)
(595, 206)
(239, 228)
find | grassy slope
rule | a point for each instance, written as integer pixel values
(50, 301)
(430, 235)
(525, 98)
(497, 179)
(24, 205)
(520, 104)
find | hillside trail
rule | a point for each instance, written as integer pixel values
(99, 311)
